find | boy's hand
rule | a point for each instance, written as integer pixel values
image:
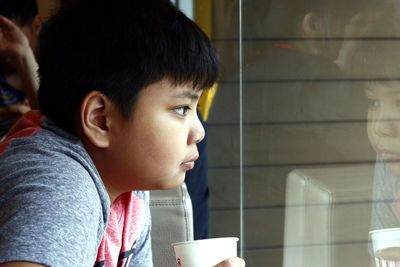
(232, 262)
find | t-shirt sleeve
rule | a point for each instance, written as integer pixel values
(49, 217)
(142, 255)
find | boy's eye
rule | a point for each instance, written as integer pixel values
(374, 103)
(182, 110)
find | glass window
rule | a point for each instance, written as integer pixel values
(302, 134)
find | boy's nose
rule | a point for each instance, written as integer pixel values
(385, 125)
(384, 128)
(197, 132)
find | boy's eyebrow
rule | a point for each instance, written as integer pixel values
(191, 94)
(389, 89)
(368, 90)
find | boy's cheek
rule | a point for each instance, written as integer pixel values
(371, 136)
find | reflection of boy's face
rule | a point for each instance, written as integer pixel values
(384, 122)
(157, 145)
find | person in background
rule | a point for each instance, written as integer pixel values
(294, 37)
(18, 78)
(25, 14)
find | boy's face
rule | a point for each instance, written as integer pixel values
(384, 122)
(157, 145)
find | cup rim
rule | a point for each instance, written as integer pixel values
(203, 241)
(384, 230)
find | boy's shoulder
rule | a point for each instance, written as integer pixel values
(35, 150)
(35, 139)
(48, 183)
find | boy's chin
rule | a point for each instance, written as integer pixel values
(171, 184)
(394, 168)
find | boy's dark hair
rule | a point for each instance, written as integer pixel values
(118, 48)
(21, 11)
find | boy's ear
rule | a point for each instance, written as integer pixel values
(94, 116)
(312, 25)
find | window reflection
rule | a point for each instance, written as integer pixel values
(379, 62)
(321, 95)
(369, 55)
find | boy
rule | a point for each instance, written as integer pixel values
(119, 88)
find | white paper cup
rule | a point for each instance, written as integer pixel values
(205, 252)
(386, 245)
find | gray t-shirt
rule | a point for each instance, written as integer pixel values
(386, 186)
(54, 207)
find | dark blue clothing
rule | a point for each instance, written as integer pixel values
(9, 95)
(197, 184)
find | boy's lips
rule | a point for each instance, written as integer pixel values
(388, 155)
(189, 164)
